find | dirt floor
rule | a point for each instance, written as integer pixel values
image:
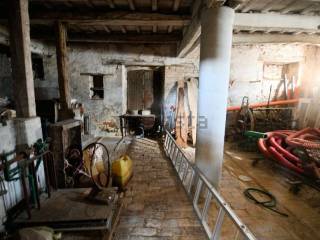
(303, 208)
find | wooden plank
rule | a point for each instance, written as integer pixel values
(173, 38)
(114, 18)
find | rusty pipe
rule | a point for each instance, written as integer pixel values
(265, 104)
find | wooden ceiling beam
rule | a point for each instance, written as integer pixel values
(114, 18)
(116, 38)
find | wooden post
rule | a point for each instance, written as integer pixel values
(21, 64)
(62, 64)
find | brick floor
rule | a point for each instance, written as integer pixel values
(156, 206)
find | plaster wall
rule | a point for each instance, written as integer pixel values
(247, 79)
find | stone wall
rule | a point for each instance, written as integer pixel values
(112, 61)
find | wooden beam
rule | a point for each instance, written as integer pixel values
(131, 5)
(311, 8)
(116, 38)
(154, 5)
(114, 18)
(111, 4)
(170, 28)
(138, 29)
(128, 38)
(123, 29)
(268, 6)
(154, 29)
(89, 3)
(23, 84)
(278, 22)
(62, 64)
(288, 8)
(247, 6)
(107, 29)
(242, 38)
(190, 36)
(176, 5)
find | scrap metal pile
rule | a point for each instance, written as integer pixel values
(298, 151)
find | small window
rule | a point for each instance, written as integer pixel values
(97, 89)
(37, 67)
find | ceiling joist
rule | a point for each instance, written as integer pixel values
(115, 18)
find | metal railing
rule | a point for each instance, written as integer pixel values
(195, 183)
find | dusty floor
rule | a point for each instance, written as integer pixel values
(156, 204)
(303, 209)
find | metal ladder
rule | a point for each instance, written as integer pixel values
(195, 183)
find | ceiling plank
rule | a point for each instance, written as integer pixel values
(176, 5)
(111, 4)
(123, 29)
(247, 7)
(268, 6)
(114, 18)
(131, 5)
(107, 29)
(154, 5)
(289, 7)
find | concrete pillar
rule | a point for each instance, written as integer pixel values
(23, 85)
(215, 55)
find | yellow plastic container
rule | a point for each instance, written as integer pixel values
(122, 171)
